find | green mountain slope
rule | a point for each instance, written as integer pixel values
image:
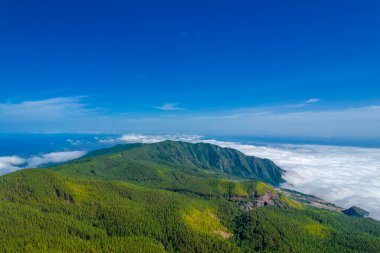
(128, 200)
(202, 155)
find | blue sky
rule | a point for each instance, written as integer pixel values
(285, 68)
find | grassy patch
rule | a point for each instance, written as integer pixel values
(206, 222)
(317, 229)
(289, 202)
(262, 188)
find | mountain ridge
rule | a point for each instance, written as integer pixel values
(202, 155)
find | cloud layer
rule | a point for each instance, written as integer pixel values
(307, 119)
(12, 163)
(345, 176)
(141, 138)
(55, 157)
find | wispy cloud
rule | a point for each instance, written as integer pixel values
(312, 100)
(44, 109)
(72, 114)
(47, 115)
(169, 107)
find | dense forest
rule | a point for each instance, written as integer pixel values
(168, 197)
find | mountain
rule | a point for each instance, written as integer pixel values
(167, 197)
(201, 155)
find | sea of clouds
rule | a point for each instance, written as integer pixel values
(345, 176)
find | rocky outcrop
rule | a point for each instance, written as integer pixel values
(355, 211)
(268, 199)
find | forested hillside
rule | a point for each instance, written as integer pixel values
(168, 197)
(200, 156)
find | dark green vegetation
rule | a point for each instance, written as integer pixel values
(167, 197)
(202, 155)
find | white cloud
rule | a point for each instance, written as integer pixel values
(10, 163)
(142, 138)
(312, 100)
(169, 107)
(13, 163)
(55, 157)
